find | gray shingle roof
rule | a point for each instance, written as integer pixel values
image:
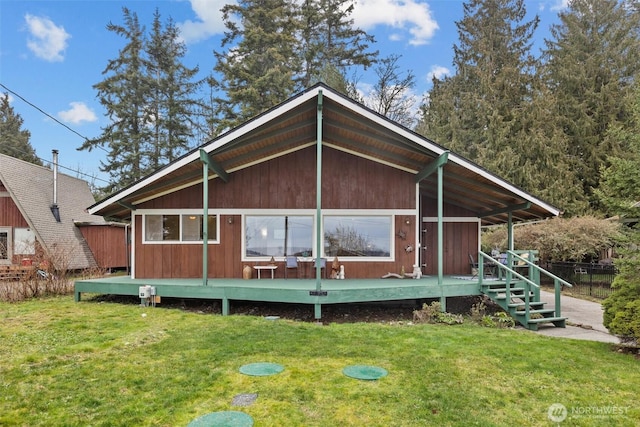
(31, 188)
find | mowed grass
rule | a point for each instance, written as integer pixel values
(105, 364)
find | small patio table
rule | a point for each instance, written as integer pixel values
(259, 268)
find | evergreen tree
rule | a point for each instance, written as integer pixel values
(125, 94)
(619, 190)
(277, 47)
(328, 38)
(150, 98)
(14, 141)
(494, 77)
(591, 61)
(173, 103)
(494, 109)
(256, 72)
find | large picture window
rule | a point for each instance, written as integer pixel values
(278, 235)
(174, 228)
(357, 236)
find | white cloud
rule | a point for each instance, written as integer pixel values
(413, 16)
(78, 113)
(437, 71)
(208, 22)
(560, 5)
(47, 40)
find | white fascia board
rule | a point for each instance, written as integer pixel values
(216, 143)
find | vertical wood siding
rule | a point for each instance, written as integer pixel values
(348, 182)
(108, 245)
(10, 216)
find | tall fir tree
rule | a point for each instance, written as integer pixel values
(591, 61)
(619, 189)
(173, 98)
(278, 47)
(14, 140)
(150, 98)
(328, 37)
(125, 94)
(492, 110)
(256, 72)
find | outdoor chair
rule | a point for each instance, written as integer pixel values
(323, 266)
(489, 268)
(474, 265)
(291, 263)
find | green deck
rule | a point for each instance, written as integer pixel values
(299, 291)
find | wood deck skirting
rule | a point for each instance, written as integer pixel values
(300, 291)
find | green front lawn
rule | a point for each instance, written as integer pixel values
(89, 363)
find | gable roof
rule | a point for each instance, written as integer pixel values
(31, 188)
(349, 127)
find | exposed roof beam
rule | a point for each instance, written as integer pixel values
(433, 166)
(213, 165)
(126, 205)
(522, 206)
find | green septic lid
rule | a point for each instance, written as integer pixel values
(364, 372)
(261, 369)
(223, 419)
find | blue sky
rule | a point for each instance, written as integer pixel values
(53, 52)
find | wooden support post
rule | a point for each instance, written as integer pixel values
(319, 238)
(205, 222)
(225, 306)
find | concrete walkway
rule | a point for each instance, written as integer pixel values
(584, 320)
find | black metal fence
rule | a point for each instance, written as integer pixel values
(591, 279)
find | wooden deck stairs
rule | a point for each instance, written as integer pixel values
(518, 293)
(516, 306)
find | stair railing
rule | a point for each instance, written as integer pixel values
(557, 281)
(509, 273)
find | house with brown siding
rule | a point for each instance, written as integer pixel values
(322, 181)
(43, 216)
(319, 176)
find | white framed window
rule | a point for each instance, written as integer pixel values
(364, 236)
(277, 235)
(178, 227)
(5, 245)
(24, 242)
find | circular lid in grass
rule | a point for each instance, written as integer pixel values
(261, 369)
(364, 372)
(223, 419)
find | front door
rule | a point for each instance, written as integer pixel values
(5, 246)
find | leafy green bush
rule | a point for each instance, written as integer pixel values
(560, 239)
(622, 308)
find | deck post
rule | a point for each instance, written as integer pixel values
(225, 306)
(205, 222)
(440, 230)
(319, 238)
(317, 311)
(510, 231)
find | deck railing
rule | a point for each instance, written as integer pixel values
(508, 269)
